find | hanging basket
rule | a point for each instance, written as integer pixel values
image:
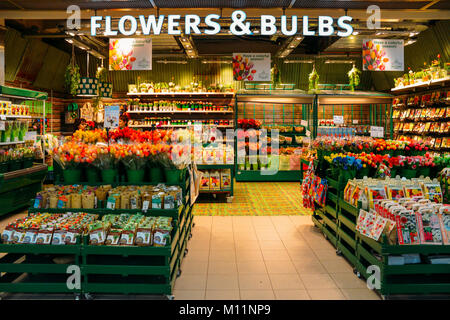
(88, 86)
(135, 176)
(72, 176)
(105, 89)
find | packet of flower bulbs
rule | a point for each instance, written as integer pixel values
(348, 190)
(375, 192)
(429, 226)
(357, 194)
(407, 230)
(444, 217)
(433, 191)
(394, 189)
(413, 190)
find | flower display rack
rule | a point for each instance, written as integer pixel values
(361, 252)
(37, 267)
(104, 269)
(18, 187)
(219, 167)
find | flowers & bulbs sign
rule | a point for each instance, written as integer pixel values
(383, 55)
(251, 66)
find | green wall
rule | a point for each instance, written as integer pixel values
(430, 43)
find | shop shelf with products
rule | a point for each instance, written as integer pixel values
(19, 182)
(423, 113)
(287, 112)
(354, 113)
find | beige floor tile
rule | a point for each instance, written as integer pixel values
(272, 245)
(223, 245)
(249, 255)
(326, 254)
(222, 295)
(291, 295)
(337, 265)
(300, 254)
(221, 230)
(268, 236)
(348, 280)
(251, 267)
(262, 221)
(321, 245)
(280, 267)
(197, 255)
(318, 281)
(257, 295)
(189, 294)
(275, 255)
(194, 267)
(309, 266)
(190, 282)
(199, 246)
(222, 267)
(222, 282)
(292, 236)
(326, 294)
(264, 229)
(286, 281)
(220, 236)
(360, 294)
(222, 255)
(254, 282)
(245, 236)
(247, 244)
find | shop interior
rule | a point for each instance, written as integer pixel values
(165, 166)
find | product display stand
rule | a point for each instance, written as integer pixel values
(337, 221)
(229, 192)
(18, 187)
(272, 109)
(104, 269)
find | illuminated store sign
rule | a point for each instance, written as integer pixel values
(290, 25)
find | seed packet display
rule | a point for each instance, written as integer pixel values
(113, 237)
(204, 183)
(444, 218)
(407, 231)
(413, 190)
(429, 226)
(349, 188)
(8, 235)
(44, 236)
(361, 218)
(395, 191)
(433, 192)
(378, 228)
(368, 223)
(375, 193)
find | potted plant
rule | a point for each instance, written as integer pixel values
(353, 78)
(3, 161)
(313, 79)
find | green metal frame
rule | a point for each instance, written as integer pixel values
(417, 279)
(117, 269)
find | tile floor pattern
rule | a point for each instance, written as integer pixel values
(264, 257)
(258, 199)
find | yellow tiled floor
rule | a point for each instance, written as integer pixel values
(264, 258)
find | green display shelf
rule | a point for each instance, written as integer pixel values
(256, 176)
(18, 187)
(361, 252)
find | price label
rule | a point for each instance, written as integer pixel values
(2, 117)
(304, 123)
(355, 121)
(377, 132)
(308, 133)
(31, 135)
(338, 120)
(2, 125)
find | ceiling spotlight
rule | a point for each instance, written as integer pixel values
(410, 42)
(413, 34)
(256, 31)
(355, 33)
(69, 40)
(340, 61)
(291, 46)
(298, 38)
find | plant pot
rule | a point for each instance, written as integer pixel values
(393, 172)
(92, 175)
(423, 171)
(3, 167)
(408, 173)
(344, 176)
(109, 175)
(28, 162)
(363, 172)
(173, 176)
(135, 176)
(156, 175)
(71, 176)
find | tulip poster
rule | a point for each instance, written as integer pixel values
(130, 54)
(383, 55)
(251, 66)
